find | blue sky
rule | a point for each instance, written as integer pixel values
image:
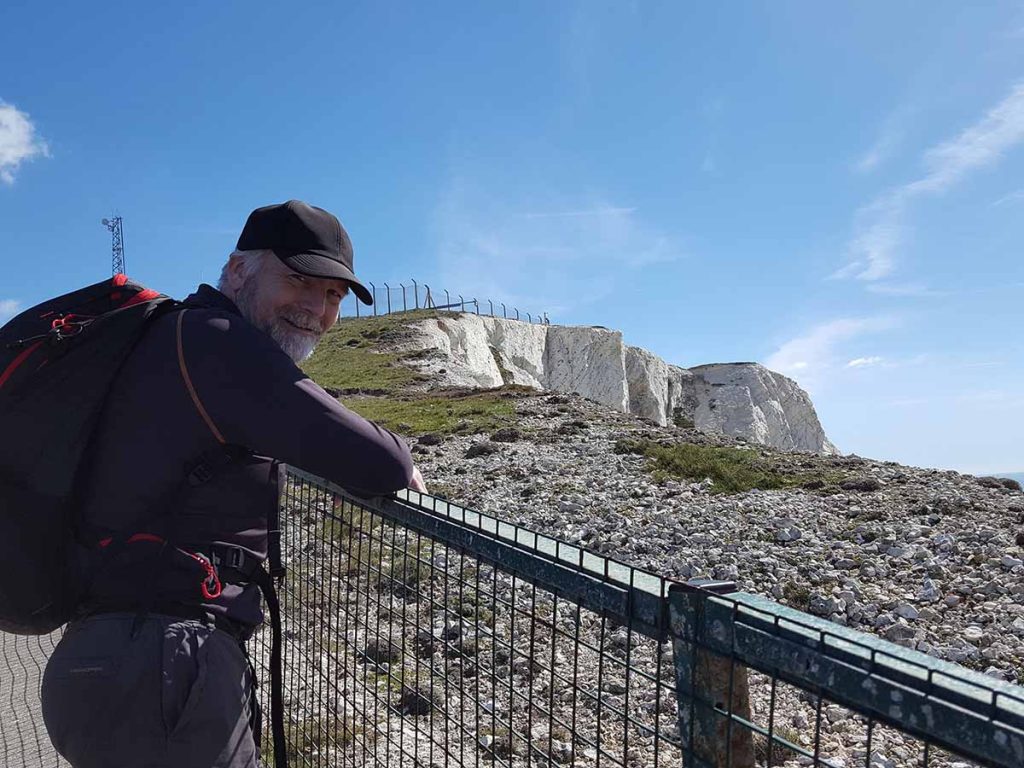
(836, 191)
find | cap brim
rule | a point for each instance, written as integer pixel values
(315, 265)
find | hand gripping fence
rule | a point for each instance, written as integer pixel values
(421, 633)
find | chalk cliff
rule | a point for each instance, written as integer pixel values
(739, 399)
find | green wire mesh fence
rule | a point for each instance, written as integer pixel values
(419, 633)
(423, 633)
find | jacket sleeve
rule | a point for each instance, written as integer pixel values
(257, 397)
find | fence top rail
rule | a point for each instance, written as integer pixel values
(622, 592)
(861, 648)
(974, 715)
(604, 568)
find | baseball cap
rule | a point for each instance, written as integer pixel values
(306, 238)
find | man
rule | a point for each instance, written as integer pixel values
(183, 477)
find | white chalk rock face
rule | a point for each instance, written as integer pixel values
(588, 361)
(748, 400)
(739, 399)
(465, 358)
(658, 391)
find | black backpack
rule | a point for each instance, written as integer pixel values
(57, 363)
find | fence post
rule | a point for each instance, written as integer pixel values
(477, 305)
(373, 292)
(405, 306)
(503, 313)
(462, 301)
(388, 288)
(517, 314)
(357, 302)
(416, 293)
(711, 689)
(427, 302)
(529, 317)
(447, 300)
(491, 303)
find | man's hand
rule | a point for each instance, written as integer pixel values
(417, 483)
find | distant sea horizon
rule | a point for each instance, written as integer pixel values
(1018, 476)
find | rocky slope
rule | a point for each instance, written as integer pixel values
(738, 399)
(927, 559)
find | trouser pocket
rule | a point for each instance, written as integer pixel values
(183, 674)
(100, 693)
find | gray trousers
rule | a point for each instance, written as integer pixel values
(173, 693)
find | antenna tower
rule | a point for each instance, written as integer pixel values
(117, 243)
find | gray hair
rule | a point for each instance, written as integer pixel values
(252, 263)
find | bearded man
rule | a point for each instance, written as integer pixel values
(183, 477)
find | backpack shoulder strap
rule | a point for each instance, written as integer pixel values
(183, 367)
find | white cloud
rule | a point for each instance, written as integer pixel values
(8, 308)
(885, 145)
(905, 289)
(18, 141)
(879, 229)
(980, 145)
(1010, 198)
(864, 362)
(566, 256)
(873, 248)
(813, 354)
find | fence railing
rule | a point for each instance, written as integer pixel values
(389, 299)
(425, 633)
(421, 633)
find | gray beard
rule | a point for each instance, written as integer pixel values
(294, 344)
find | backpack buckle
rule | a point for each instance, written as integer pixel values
(200, 474)
(228, 557)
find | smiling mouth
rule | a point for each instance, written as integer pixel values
(301, 329)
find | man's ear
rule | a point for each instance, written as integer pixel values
(235, 274)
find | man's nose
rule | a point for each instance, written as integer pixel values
(314, 301)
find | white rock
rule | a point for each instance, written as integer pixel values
(907, 611)
(738, 399)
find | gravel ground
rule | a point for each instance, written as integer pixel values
(927, 559)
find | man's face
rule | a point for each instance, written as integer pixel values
(295, 309)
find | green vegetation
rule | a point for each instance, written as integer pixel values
(732, 470)
(778, 750)
(796, 595)
(347, 360)
(305, 739)
(465, 413)
(408, 570)
(681, 421)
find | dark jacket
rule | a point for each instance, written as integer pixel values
(151, 433)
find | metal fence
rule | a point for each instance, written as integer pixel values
(419, 633)
(423, 633)
(389, 299)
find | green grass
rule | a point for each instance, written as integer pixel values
(777, 750)
(469, 413)
(347, 359)
(733, 470)
(305, 740)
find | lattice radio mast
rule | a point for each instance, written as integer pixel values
(117, 243)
